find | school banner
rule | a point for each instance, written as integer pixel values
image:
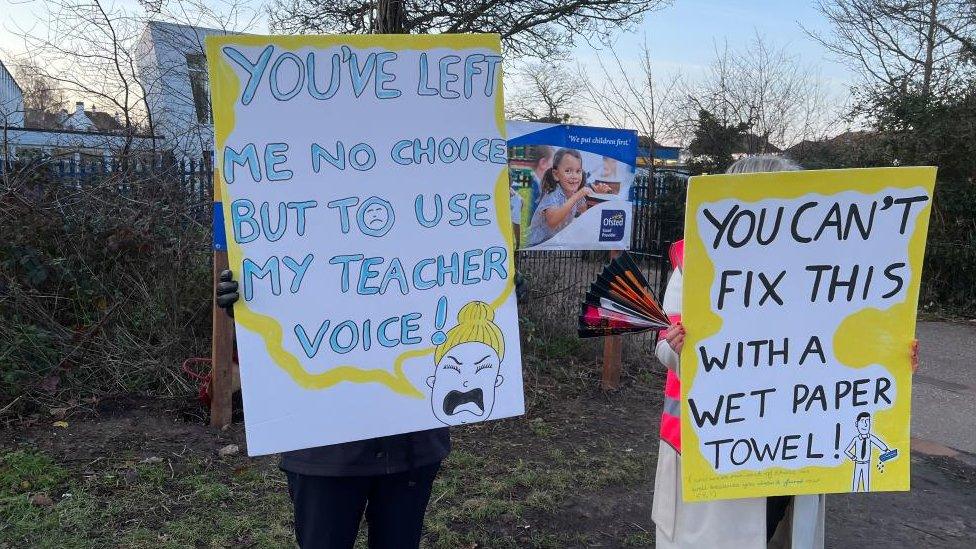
(800, 294)
(365, 199)
(571, 185)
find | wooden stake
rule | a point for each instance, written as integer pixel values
(222, 383)
(613, 347)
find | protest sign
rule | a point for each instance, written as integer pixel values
(800, 294)
(366, 206)
(600, 159)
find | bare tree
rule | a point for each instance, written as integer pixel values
(902, 45)
(537, 28)
(544, 92)
(89, 49)
(781, 99)
(629, 98)
(41, 94)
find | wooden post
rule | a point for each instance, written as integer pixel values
(613, 347)
(222, 351)
(221, 385)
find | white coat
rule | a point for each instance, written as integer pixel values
(736, 523)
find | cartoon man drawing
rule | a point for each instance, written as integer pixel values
(860, 450)
(467, 365)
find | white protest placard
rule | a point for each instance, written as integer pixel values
(366, 204)
(800, 295)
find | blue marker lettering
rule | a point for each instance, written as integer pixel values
(274, 154)
(270, 267)
(418, 206)
(418, 271)
(496, 260)
(300, 208)
(382, 77)
(353, 337)
(469, 267)
(273, 76)
(423, 86)
(475, 209)
(454, 204)
(345, 260)
(367, 272)
(447, 77)
(343, 205)
(338, 161)
(311, 347)
(248, 156)
(471, 69)
(381, 333)
(313, 89)
(395, 272)
(299, 270)
(254, 70)
(407, 327)
(280, 227)
(242, 211)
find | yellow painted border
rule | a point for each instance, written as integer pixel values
(225, 91)
(868, 336)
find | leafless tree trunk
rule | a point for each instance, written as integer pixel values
(633, 99)
(781, 99)
(90, 51)
(544, 92)
(535, 28)
(390, 16)
(900, 45)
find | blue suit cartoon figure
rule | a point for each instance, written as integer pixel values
(860, 450)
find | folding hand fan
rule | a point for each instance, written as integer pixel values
(620, 301)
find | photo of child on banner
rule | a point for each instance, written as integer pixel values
(575, 182)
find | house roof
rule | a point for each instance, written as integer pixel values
(103, 121)
(751, 143)
(841, 141)
(3, 68)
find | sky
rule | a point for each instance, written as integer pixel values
(684, 35)
(681, 37)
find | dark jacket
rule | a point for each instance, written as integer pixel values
(375, 456)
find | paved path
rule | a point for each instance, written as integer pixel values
(940, 509)
(944, 393)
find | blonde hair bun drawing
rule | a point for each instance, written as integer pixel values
(475, 324)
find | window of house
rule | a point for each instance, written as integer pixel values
(196, 64)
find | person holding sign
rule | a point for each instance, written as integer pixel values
(387, 479)
(740, 523)
(781, 521)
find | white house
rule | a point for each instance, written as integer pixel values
(173, 70)
(11, 100)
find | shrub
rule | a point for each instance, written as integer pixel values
(104, 286)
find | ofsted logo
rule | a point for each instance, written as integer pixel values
(612, 225)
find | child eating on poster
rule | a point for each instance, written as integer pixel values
(564, 196)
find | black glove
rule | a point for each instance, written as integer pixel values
(227, 292)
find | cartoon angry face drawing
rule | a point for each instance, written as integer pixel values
(464, 382)
(375, 216)
(467, 367)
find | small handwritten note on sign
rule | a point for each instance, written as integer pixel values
(800, 294)
(366, 205)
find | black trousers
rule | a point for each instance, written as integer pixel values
(328, 510)
(775, 513)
